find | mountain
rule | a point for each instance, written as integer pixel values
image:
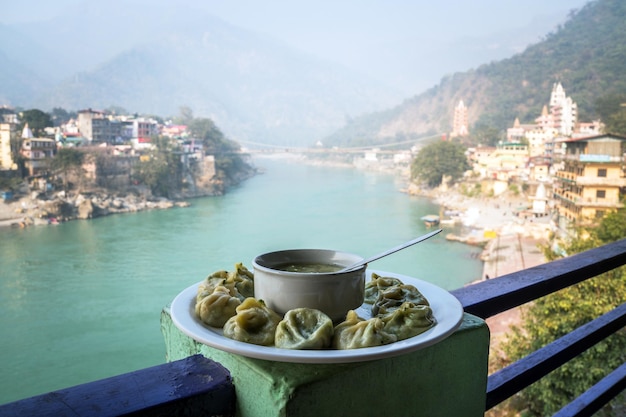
(21, 74)
(586, 54)
(155, 60)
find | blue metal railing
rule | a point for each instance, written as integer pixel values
(491, 297)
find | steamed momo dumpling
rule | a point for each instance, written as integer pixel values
(209, 284)
(254, 323)
(217, 307)
(391, 298)
(409, 320)
(356, 332)
(378, 284)
(243, 280)
(304, 328)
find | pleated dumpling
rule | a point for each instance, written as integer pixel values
(217, 307)
(355, 333)
(304, 328)
(209, 284)
(376, 285)
(243, 280)
(254, 323)
(391, 298)
(409, 320)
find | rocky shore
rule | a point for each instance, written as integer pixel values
(32, 208)
(43, 209)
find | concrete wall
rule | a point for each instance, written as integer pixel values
(446, 379)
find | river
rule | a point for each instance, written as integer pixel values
(81, 301)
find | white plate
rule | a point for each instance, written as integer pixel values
(447, 310)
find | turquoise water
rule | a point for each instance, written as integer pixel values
(81, 301)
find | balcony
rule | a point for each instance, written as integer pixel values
(448, 378)
(599, 203)
(580, 180)
(567, 196)
(579, 157)
(601, 181)
(566, 176)
(577, 200)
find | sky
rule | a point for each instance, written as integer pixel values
(398, 40)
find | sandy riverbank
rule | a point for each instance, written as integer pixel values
(12, 213)
(510, 243)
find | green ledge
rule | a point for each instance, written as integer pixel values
(445, 379)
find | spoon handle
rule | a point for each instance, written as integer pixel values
(392, 250)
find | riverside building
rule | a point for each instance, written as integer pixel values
(8, 125)
(590, 181)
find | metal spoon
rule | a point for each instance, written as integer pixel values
(390, 251)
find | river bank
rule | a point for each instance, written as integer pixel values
(38, 209)
(510, 243)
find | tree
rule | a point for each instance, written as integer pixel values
(612, 227)
(483, 134)
(113, 109)
(10, 183)
(67, 161)
(612, 111)
(437, 160)
(212, 138)
(557, 314)
(61, 116)
(161, 171)
(37, 121)
(227, 162)
(185, 116)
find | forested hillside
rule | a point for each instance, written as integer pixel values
(587, 55)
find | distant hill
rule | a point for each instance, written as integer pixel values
(155, 60)
(20, 73)
(587, 55)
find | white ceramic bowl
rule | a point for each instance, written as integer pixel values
(333, 293)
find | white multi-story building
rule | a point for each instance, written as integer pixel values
(560, 120)
(564, 110)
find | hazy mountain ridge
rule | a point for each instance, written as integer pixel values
(253, 87)
(21, 75)
(586, 55)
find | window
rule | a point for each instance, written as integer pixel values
(601, 172)
(600, 193)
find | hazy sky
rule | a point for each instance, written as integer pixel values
(388, 39)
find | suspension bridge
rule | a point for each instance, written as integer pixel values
(266, 148)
